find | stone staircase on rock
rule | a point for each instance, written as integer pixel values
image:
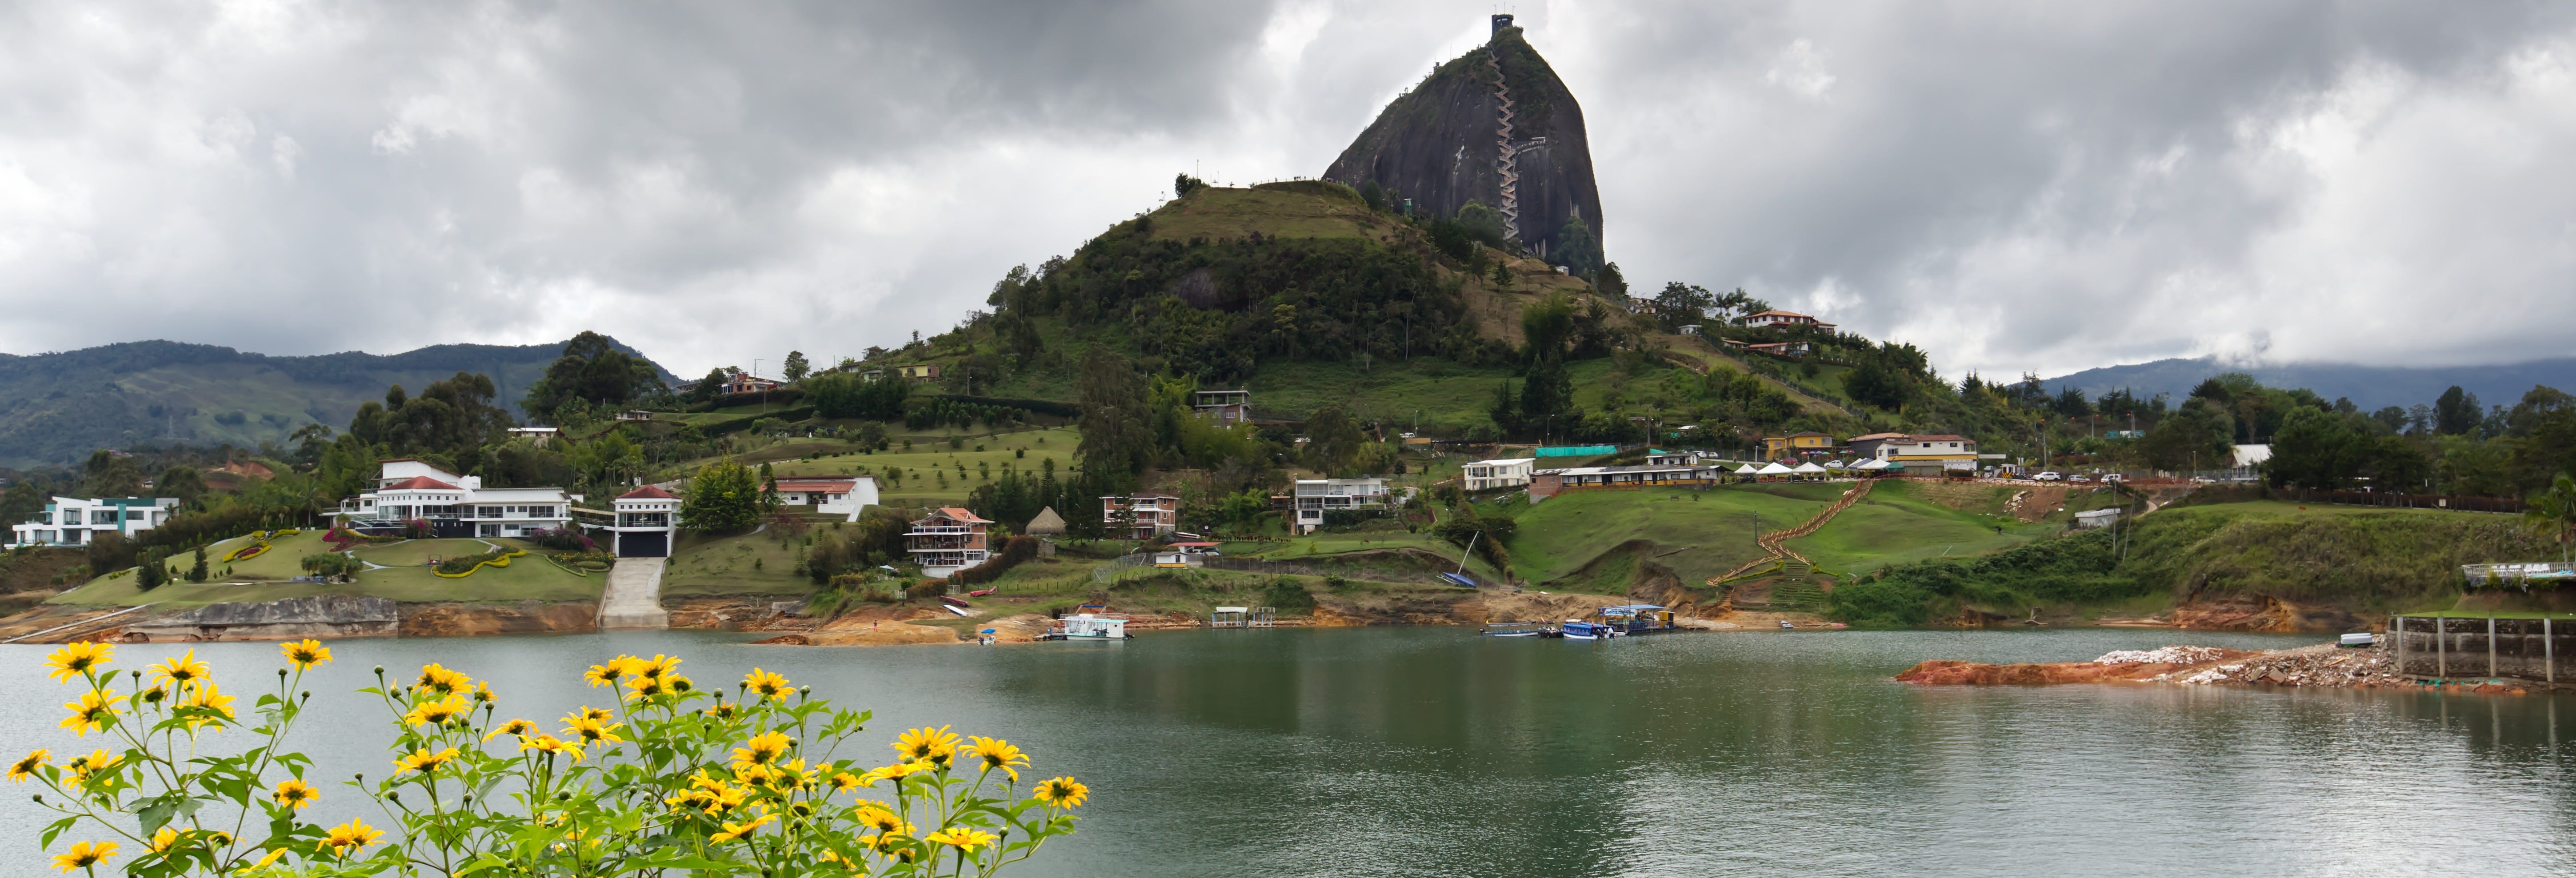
(633, 598)
(1506, 164)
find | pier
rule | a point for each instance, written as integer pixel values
(2441, 646)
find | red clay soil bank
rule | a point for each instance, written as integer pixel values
(2322, 665)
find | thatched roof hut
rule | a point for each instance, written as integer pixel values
(1047, 524)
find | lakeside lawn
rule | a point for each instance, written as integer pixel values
(740, 564)
(527, 578)
(1697, 533)
(1894, 526)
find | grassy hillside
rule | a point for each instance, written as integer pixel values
(261, 578)
(1696, 533)
(57, 407)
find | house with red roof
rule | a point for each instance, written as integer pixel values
(844, 496)
(454, 506)
(647, 517)
(949, 540)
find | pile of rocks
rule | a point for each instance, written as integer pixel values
(2310, 666)
(2171, 655)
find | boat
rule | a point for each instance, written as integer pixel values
(1515, 629)
(1629, 619)
(1089, 626)
(978, 594)
(1577, 629)
(954, 601)
(960, 611)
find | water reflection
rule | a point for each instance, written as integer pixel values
(1432, 752)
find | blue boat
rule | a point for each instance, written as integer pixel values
(1577, 629)
(1629, 619)
(1516, 629)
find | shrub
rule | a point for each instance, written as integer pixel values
(1016, 551)
(565, 539)
(673, 779)
(928, 588)
(1290, 597)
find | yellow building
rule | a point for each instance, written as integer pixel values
(1796, 443)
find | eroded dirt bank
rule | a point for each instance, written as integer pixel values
(2320, 665)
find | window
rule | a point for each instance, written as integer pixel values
(102, 516)
(487, 512)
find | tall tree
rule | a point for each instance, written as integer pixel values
(2457, 412)
(724, 497)
(1117, 433)
(2193, 437)
(2554, 512)
(1577, 249)
(1333, 440)
(594, 371)
(108, 474)
(1610, 282)
(795, 367)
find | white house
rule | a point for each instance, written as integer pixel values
(1314, 497)
(1940, 451)
(1506, 472)
(1140, 516)
(950, 540)
(73, 521)
(454, 505)
(844, 496)
(1786, 320)
(646, 519)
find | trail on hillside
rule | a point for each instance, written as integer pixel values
(1776, 542)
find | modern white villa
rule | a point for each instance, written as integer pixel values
(454, 505)
(844, 496)
(1315, 497)
(74, 521)
(1508, 472)
(646, 519)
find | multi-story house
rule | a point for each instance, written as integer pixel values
(1778, 447)
(1226, 407)
(1314, 497)
(74, 521)
(646, 519)
(1942, 451)
(948, 541)
(1141, 516)
(1508, 472)
(454, 505)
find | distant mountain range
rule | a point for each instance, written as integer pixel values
(2370, 387)
(57, 407)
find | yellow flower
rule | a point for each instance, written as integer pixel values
(436, 712)
(607, 674)
(306, 653)
(900, 770)
(424, 761)
(181, 672)
(961, 837)
(760, 750)
(161, 841)
(997, 754)
(1062, 792)
(644, 687)
(266, 861)
(483, 693)
(517, 727)
(84, 855)
(927, 745)
(769, 685)
(724, 710)
(295, 794)
(844, 781)
(95, 709)
(877, 817)
(592, 713)
(680, 684)
(154, 695)
(655, 667)
(708, 794)
(20, 770)
(348, 837)
(550, 744)
(440, 679)
(209, 697)
(737, 830)
(98, 760)
(592, 731)
(77, 658)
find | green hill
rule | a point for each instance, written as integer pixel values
(57, 407)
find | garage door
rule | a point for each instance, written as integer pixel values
(646, 545)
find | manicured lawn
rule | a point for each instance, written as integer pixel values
(415, 553)
(283, 560)
(1893, 526)
(527, 578)
(755, 563)
(1712, 530)
(930, 468)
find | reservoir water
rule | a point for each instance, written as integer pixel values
(1428, 751)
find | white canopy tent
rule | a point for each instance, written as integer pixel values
(1809, 469)
(1773, 469)
(1745, 470)
(1871, 465)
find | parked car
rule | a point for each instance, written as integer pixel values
(2079, 477)
(2049, 476)
(2113, 477)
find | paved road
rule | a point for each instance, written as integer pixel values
(634, 596)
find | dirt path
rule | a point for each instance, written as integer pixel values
(1776, 541)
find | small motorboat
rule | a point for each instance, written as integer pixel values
(1577, 629)
(978, 594)
(1785, 626)
(1514, 629)
(954, 601)
(1087, 626)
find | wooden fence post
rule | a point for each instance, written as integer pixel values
(2491, 650)
(2441, 646)
(2549, 648)
(2397, 625)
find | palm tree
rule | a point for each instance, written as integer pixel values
(2554, 511)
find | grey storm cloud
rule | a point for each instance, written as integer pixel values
(2013, 187)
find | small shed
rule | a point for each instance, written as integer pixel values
(1046, 524)
(2096, 517)
(1230, 617)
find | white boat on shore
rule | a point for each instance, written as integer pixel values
(1089, 626)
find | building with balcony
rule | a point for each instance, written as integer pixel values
(844, 496)
(1794, 444)
(647, 518)
(1140, 517)
(1925, 453)
(74, 521)
(1508, 472)
(1226, 407)
(1314, 497)
(948, 541)
(454, 505)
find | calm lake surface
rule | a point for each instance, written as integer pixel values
(1428, 751)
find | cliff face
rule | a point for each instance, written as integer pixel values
(1494, 126)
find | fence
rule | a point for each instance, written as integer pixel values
(2443, 646)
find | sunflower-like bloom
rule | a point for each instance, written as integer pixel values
(645, 687)
(24, 768)
(901, 770)
(724, 710)
(424, 761)
(440, 680)
(266, 861)
(760, 750)
(211, 698)
(1062, 792)
(993, 753)
(347, 838)
(878, 817)
(161, 841)
(927, 745)
(767, 684)
(843, 782)
(75, 659)
(794, 776)
(961, 838)
(551, 744)
(436, 712)
(517, 727)
(737, 830)
(608, 673)
(97, 761)
(483, 693)
(294, 793)
(154, 695)
(710, 795)
(95, 709)
(84, 855)
(600, 714)
(656, 667)
(306, 653)
(181, 672)
(591, 731)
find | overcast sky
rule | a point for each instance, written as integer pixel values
(2036, 187)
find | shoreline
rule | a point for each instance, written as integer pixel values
(2320, 666)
